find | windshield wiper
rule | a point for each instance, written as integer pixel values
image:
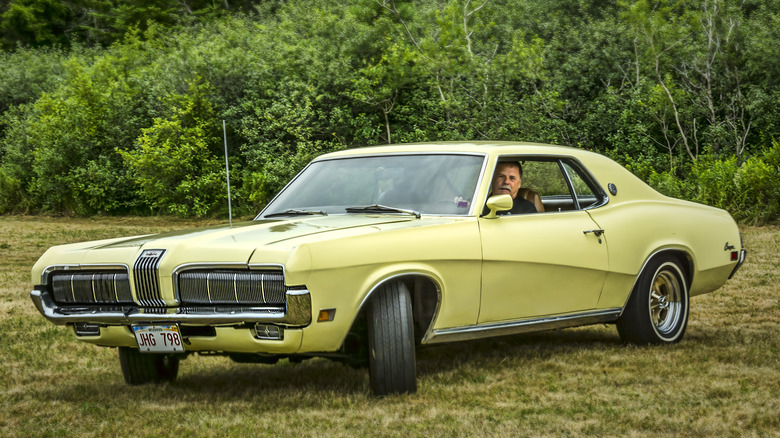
(376, 208)
(297, 212)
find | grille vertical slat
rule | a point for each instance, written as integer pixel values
(222, 287)
(91, 287)
(197, 286)
(147, 284)
(232, 287)
(273, 287)
(82, 288)
(246, 289)
(122, 287)
(62, 288)
(103, 288)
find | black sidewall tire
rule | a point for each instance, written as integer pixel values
(142, 368)
(636, 324)
(392, 362)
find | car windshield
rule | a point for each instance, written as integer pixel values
(438, 184)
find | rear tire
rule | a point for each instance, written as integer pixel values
(657, 311)
(141, 368)
(392, 363)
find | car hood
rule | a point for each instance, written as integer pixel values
(255, 233)
(223, 243)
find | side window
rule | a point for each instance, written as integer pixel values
(547, 179)
(561, 184)
(583, 193)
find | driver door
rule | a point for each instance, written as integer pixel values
(540, 264)
(543, 264)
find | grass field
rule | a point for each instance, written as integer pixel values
(722, 380)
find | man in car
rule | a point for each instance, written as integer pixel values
(507, 181)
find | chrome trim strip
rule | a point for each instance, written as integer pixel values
(217, 265)
(268, 266)
(742, 257)
(298, 313)
(521, 326)
(146, 277)
(53, 268)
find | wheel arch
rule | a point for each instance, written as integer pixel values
(683, 258)
(425, 292)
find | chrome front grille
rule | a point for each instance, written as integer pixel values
(147, 279)
(244, 287)
(91, 287)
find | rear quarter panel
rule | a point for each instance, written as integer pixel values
(640, 222)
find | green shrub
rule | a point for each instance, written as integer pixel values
(749, 191)
(10, 193)
(61, 148)
(759, 179)
(176, 166)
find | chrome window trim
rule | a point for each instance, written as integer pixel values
(472, 208)
(560, 160)
(578, 165)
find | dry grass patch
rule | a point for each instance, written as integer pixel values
(722, 380)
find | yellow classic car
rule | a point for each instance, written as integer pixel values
(369, 253)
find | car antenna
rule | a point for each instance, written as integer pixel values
(227, 174)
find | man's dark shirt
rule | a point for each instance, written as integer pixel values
(520, 205)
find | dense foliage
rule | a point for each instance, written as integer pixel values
(110, 107)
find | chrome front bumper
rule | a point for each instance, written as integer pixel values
(296, 313)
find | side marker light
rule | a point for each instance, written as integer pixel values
(326, 315)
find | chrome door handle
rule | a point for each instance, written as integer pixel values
(596, 233)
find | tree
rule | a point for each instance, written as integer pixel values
(35, 23)
(380, 82)
(175, 166)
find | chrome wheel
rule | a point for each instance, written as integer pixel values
(666, 296)
(657, 310)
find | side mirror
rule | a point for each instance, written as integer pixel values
(498, 203)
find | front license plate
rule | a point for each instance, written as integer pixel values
(158, 338)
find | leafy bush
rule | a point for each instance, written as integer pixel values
(61, 149)
(176, 166)
(749, 191)
(84, 128)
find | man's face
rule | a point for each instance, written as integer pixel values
(506, 181)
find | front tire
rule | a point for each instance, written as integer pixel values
(392, 364)
(657, 311)
(141, 368)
